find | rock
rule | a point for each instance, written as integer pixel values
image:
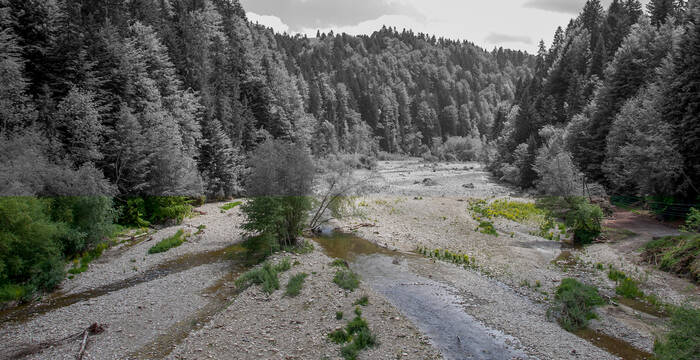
(429, 182)
(469, 186)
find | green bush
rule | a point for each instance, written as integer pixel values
(279, 184)
(363, 301)
(89, 218)
(169, 243)
(338, 315)
(692, 221)
(133, 213)
(87, 258)
(265, 275)
(574, 303)
(358, 335)
(486, 227)
(683, 341)
(163, 208)
(616, 275)
(346, 279)
(30, 246)
(585, 221)
(628, 288)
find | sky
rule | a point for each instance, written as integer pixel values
(515, 24)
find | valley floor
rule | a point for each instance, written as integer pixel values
(182, 304)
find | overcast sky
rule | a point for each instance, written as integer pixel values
(517, 24)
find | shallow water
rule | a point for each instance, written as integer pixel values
(427, 303)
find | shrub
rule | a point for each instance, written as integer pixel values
(628, 288)
(163, 208)
(585, 221)
(339, 336)
(683, 341)
(676, 254)
(30, 250)
(692, 221)
(616, 275)
(346, 279)
(87, 258)
(486, 227)
(280, 181)
(295, 284)
(338, 315)
(265, 275)
(89, 218)
(357, 331)
(169, 243)
(133, 212)
(574, 303)
(363, 301)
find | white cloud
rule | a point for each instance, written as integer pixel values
(270, 21)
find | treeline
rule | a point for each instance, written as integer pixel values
(615, 100)
(166, 97)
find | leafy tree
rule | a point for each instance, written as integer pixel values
(279, 184)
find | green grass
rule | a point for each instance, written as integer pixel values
(357, 337)
(574, 303)
(346, 279)
(169, 243)
(683, 340)
(486, 227)
(81, 265)
(200, 229)
(231, 205)
(12, 292)
(339, 263)
(339, 315)
(628, 289)
(616, 275)
(676, 254)
(363, 301)
(295, 284)
(265, 275)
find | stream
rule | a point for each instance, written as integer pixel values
(429, 304)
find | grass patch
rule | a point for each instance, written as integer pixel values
(295, 284)
(683, 341)
(168, 243)
(676, 254)
(265, 275)
(12, 292)
(339, 263)
(574, 303)
(616, 275)
(231, 205)
(628, 288)
(363, 301)
(486, 227)
(357, 337)
(200, 229)
(346, 279)
(81, 265)
(521, 212)
(339, 315)
(449, 256)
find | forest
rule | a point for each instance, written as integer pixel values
(121, 112)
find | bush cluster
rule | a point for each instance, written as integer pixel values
(574, 303)
(265, 275)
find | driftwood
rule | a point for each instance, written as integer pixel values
(93, 329)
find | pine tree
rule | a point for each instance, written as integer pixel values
(79, 127)
(660, 10)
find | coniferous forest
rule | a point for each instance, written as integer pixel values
(123, 114)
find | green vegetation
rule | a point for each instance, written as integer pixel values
(339, 315)
(677, 254)
(81, 265)
(616, 275)
(339, 263)
(522, 212)
(168, 243)
(346, 279)
(295, 284)
(628, 288)
(265, 275)
(37, 235)
(231, 205)
(356, 335)
(692, 221)
(585, 221)
(447, 255)
(683, 341)
(200, 229)
(363, 301)
(574, 303)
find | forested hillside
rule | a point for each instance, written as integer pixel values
(159, 97)
(615, 96)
